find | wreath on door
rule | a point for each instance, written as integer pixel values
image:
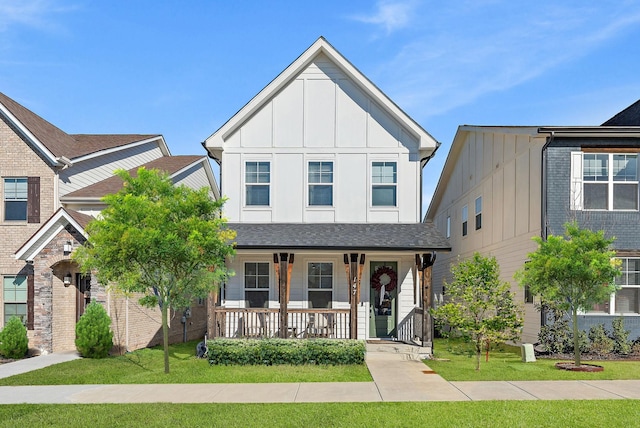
(386, 276)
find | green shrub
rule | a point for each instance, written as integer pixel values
(620, 336)
(601, 343)
(14, 342)
(285, 351)
(94, 337)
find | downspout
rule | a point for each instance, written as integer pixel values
(543, 204)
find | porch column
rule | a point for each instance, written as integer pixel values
(284, 277)
(354, 278)
(427, 321)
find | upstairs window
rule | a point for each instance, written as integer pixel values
(256, 285)
(465, 220)
(15, 199)
(604, 181)
(448, 227)
(257, 180)
(384, 178)
(321, 183)
(478, 212)
(320, 285)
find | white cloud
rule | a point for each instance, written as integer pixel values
(389, 14)
(471, 51)
(32, 13)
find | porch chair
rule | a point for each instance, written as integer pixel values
(321, 325)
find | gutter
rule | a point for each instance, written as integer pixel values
(218, 161)
(543, 183)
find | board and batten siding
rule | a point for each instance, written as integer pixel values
(93, 170)
(322, 116)
(504, 168)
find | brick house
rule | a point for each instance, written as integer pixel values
(52, 183)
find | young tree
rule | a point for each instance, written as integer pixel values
(480, 306)
(168, 242)
(574, 271)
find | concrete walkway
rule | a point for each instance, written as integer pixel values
(395, 378)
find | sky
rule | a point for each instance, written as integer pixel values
(183, 68)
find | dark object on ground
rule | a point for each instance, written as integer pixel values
(201, 349)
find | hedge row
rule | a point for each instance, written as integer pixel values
(285, 351)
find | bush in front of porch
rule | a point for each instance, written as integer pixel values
(285, 351)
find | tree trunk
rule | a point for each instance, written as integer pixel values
(576, 338)
(165, 335)
(478, 353)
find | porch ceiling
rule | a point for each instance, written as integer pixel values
(340, 236)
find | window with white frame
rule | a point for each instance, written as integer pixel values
(478, 212)
(256, 284)
(384, 179)
(465, 220)
(604, 181)
(257, 177)
(15, 198)
(14, 294)
(627, 299)
(448, 226)
(320, 183)
(320, 285)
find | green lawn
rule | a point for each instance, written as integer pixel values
(512, 414)
(146, 366)
(505, 363)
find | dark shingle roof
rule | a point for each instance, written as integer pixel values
(58, 142)
(340, 236)
(168, 164)
(627, 117)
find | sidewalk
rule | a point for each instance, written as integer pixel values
(395, 378)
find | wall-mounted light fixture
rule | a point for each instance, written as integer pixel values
(67, 279)
(67, 247)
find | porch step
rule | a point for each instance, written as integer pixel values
(409, 351)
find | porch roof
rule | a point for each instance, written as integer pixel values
(340, 236)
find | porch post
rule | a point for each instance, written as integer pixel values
(282, 295)
(427, 291)
(353, 296)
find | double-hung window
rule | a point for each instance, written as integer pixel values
(321, 183)
(478, 212)
(15, 198)
(627, 299)
(465, 220)
(604, 181)
(384, 178)
(320, 285)
(257, 179)
(14, 294)
(256, 284)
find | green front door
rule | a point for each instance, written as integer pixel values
(383, 296)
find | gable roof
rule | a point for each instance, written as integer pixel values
(627, 117)
(339, 236)
(172, 165)
(455, 151)
(55, 144)
(50, 229)
(215, 143)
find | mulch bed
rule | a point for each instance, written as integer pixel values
(581, 368)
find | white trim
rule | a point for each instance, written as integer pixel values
(160, 138)
(47, 232)
(41, 147)
(215, 143)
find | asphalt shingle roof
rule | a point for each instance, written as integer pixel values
(59, 142)
(340, 236)
(627, 117)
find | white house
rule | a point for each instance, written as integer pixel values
(322, 172)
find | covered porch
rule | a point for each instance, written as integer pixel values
(342, 281)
